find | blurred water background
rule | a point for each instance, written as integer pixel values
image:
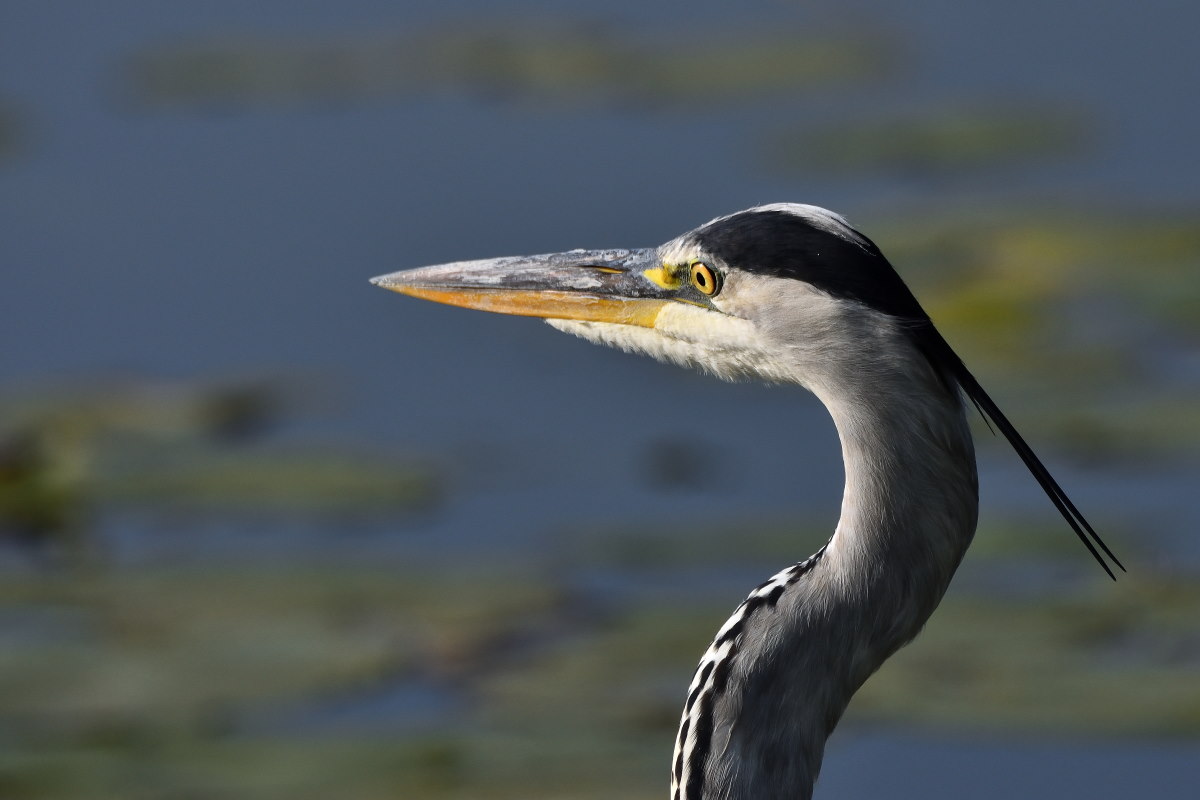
(270, 532)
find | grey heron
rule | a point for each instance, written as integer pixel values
(789, 293)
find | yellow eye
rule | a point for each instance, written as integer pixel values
(704, 279)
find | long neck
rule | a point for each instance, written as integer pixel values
(778, 676)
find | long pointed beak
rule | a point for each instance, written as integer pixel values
(591, 285)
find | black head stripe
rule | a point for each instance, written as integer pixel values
(788, 245)
(831, 256)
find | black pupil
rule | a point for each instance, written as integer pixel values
(701, 279)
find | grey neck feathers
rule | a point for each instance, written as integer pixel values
(778, 677)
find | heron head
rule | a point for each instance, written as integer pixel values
(779, 292)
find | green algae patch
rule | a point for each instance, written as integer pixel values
(139, 682)
(964, 264)
(566, 64)
(1084, 318)
(942, 143)
(280, 479)
(68, 456)
(1118, 659)
(751, 542)
(182, 647)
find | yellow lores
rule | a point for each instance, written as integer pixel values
(666, 276)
